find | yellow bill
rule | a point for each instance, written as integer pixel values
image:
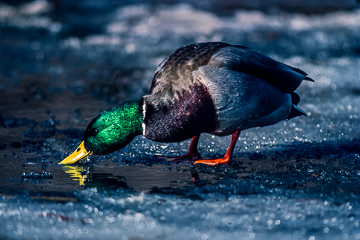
(78, 154)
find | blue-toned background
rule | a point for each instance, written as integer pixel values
(61, 62)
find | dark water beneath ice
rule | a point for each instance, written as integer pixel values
(60, 66)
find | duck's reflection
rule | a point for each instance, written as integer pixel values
(138, 178)
(195, 178)
(77, 173)
(86, 177)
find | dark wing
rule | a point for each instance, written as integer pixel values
(284, 77)
(174, 74)
(244, 60)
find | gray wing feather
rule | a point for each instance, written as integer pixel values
(280, 75)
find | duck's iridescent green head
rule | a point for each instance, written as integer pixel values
(109, 131)
(113, 129)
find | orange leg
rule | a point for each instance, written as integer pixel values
(192, 154)
(228, 155)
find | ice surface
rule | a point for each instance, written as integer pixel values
(143, 216)
(297, 179)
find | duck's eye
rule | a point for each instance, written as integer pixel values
(93, 132)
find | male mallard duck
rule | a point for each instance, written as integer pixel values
(213, 87)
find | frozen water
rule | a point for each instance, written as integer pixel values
(143, 216)
(61, 65)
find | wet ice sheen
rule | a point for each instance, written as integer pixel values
(142, 216)
(292, 180)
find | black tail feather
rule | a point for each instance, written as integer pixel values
(296, 111)
(295, 98)
(309, 79)
(303, 73)
(298, 70)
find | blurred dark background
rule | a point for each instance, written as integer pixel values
(64, 61)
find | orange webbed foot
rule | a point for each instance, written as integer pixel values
(227, 157)
(214, 162)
